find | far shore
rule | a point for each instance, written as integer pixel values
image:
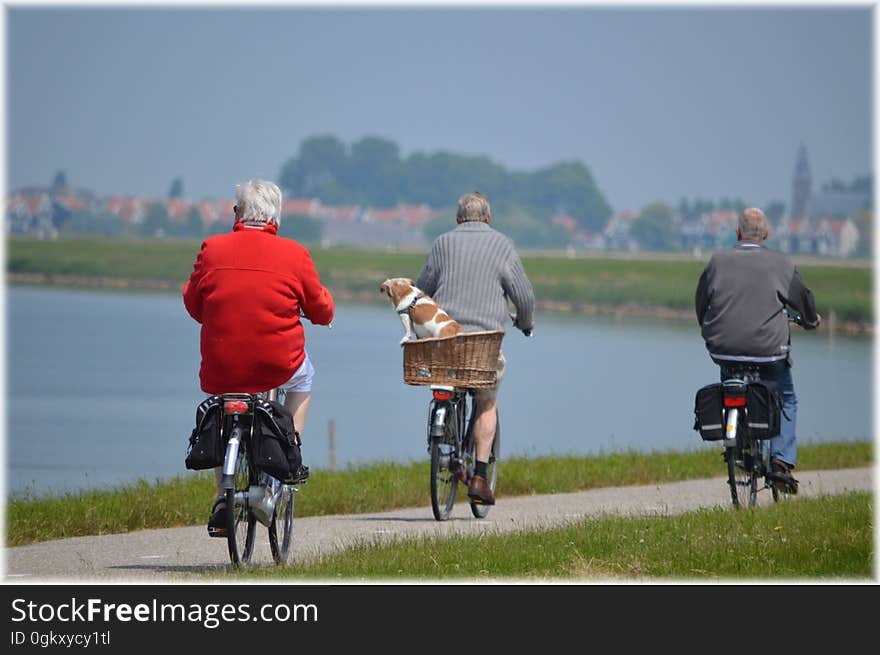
(626, 310)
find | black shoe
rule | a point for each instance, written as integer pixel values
(479, 491)
(780, 473)
(217, 522)
(301, 475)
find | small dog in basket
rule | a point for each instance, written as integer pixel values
(418, 312)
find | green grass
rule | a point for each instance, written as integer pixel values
(827, 537)
(186, 500)
(597, 281)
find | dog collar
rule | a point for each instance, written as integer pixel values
(409, 307)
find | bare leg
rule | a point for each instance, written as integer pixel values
(485, 424)
(297, 403)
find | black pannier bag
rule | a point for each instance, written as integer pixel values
(709, 412)
(764, 409)
(206, 448)
(276, 442)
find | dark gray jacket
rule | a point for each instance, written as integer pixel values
(740, 303)
(471, 271)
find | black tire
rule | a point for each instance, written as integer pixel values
(281, 527)
(741, 476)
(241, 524)
(478, 509)
(444, 482)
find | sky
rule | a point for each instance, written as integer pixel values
(660, 102)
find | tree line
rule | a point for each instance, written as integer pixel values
(372, 173)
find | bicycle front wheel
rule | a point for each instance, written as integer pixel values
(445, 464)
(241, 524)
(479, 510)
(281, 528)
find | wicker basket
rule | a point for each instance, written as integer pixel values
(468, 360)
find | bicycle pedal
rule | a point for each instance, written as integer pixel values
(217, 532)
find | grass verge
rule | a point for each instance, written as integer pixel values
(825, 538)
(186, 500)
(581, 282)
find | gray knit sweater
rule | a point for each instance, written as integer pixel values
(471, 271)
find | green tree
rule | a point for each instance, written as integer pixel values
(319, 171)
(86, 222)
(775, 211)
(654, 229)
(156, 221)
(568, 188)
(302, 228)
(375, 171)
(195, 224)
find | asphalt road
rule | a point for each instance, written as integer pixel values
(180, 554)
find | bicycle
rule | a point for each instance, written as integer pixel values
(452, 448)
(251, 495)
(747, 457)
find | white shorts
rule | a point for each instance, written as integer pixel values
(302, 379)
(491, 393)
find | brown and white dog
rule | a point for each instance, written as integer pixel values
(417, 310)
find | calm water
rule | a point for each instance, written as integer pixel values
(102, 388)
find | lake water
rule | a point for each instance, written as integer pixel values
(102, 388)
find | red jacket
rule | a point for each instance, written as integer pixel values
(246, 289)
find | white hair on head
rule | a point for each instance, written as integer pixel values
(259, 202)
(473, 206)
(752, 223)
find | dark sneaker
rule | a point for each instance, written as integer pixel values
(479, 491)
(217, 522)
(301, 475)
(780, 473)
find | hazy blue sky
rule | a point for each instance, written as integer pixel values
(659, 102)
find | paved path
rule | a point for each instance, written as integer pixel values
(175, 554)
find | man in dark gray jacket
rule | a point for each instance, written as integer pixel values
(740, 303)
(472, 271)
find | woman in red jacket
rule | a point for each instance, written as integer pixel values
(247, 289)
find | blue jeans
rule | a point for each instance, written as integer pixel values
(783, 447)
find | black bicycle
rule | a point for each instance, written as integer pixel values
(452, 447)
(252, 496)
(746, 448)
(747, 458)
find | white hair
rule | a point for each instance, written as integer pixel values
(473, 206)
(259, 202)
(752, 223)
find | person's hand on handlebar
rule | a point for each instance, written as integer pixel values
(526, 331)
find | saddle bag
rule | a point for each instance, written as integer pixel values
(764, 409)
(709, 412)
(276, 443)
(206, 447)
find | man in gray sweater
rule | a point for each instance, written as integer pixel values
(740, 303)
(472, 271)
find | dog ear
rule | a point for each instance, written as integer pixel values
(411, 282)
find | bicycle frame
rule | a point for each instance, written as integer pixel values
(260, 498)
(452, 449)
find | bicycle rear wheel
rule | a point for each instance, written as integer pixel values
(444, 481)
(479, 510)
(281, 527)
(741, 476)
(241, 524)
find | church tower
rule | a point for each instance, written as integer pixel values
(801, 186)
